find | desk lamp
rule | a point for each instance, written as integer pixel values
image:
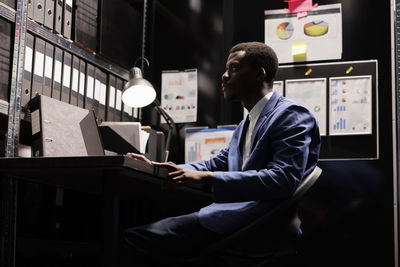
(139, 92)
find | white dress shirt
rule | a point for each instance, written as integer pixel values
(254, 114)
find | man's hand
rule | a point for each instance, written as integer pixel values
(180, 176)
(138, 157)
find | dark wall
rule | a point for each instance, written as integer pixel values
(182, 36)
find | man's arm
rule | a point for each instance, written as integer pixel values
(295, 132)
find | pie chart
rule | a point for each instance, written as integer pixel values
(284, 30)
(316, 28)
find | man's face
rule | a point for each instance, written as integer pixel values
(238, 78)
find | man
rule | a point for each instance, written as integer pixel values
(270, 152)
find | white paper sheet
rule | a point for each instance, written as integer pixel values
(350, 106)
(311, 93)
(179, 95)
(283, 30)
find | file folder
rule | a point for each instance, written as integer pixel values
(5, 59)
(103, 96)
(48, 69)
(60, 129)
(38, 68)
(67, 22)
(82, 83)
(49, 13)
(58, 16)
(96, 98)
(66, 83)
(127, 114)
(30, 9)
(111, 98)
(86, 23)
(26, 82)
(57, 72)
(118, 101)
(74, 81)
(38, 11)
(89, 98)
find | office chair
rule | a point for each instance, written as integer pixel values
(271, 240)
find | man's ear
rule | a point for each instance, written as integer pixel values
(261, 74)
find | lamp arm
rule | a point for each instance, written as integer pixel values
(171, 125)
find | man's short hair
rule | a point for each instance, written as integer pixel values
(259, 55)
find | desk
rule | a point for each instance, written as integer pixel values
(111, 176)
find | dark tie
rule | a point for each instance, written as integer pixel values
(243, 135)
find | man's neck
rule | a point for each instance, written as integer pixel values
(252, 100)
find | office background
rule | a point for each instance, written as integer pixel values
(348, 219)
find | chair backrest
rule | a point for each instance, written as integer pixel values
(284, 216)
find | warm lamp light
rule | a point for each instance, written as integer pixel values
(138, 92)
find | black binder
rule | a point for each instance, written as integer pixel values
(38, 11)
(111, 98)
(38, 68)
(5, 59)
(66, 77)
(89, 96)
(27, 80)
(74, 81)
(48, 68)
(102, 94)
(57, 73)
(49, 13)
(61, 129)
(82, 83)
(67, 21)
(58, 16)
(118, 101)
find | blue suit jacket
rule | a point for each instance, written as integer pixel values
(284, 149)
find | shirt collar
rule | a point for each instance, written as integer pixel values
(257, 109)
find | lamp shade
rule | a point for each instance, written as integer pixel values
(138, 92)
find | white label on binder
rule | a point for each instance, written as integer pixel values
(103, 93)
(57, 71)
(90, 87)
(75, 76)
(68, 2)
(119, 99)
(67, 76)
(112, 97)
(97, 90)
(82, 83)
(48, 67)
(39, 60)
(28, 59)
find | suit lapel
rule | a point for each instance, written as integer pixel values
(263, 116)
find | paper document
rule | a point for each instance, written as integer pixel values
(311, 93)
(350, 105)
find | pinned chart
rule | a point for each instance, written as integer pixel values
(311, 93)
(179, 94)
(202, 143)
(350, 103)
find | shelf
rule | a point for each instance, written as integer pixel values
(68, 45)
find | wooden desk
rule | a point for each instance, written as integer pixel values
(112, 176)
